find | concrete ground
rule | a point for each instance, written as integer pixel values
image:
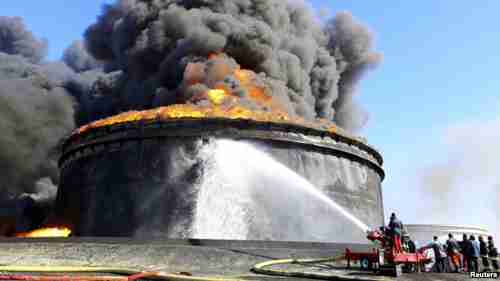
(199, 257)
(340, 270)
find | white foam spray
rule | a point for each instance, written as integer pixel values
(246, 194)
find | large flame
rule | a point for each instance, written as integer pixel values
(177, 111)
(59, 231)
(222, 103)
(217, 96)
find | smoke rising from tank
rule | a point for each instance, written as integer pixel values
(35, 114)
(140, 54)
(77, 57)
(313, 71)
(37, 108)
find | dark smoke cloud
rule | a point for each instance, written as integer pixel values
(37, 109)
(16, 40)
(77, 57)
(312, 70)
(351, 43)
(35, 113)
(136, 56)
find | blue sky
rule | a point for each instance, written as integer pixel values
(440, 70)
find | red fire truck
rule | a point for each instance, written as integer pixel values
(384, 258)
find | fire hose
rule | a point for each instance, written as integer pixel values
(132, 274)
(263, 268)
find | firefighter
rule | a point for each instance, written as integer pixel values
(453, 251)
(439, 254)
(396, 227)
(493, 253)
(409, 247)
(483, 250)
(474, 253)
(412, 248)
(386, 234)
(464, 246)
(405, 238)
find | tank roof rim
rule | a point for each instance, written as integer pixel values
(358, 141)
(274, 132)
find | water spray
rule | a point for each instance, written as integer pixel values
(245, 187)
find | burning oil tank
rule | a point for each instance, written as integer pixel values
(142, 178)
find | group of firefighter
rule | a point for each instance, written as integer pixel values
(453, 256)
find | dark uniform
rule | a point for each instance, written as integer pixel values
(408, 247)
(412, 248)
(464, 246)
(483, 250)
(493, 253)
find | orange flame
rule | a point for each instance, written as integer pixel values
(223, 104)
(217, 96)
(179, 111)
(59, 231)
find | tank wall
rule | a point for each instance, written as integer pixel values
(354, 186)
(149, 188)
(139, 188)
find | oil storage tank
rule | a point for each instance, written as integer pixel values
(151, 179)
(424, 233)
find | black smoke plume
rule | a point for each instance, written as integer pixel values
(135, 56)
(76, 57)
(312, 70)
(15, 39)
(37, 109)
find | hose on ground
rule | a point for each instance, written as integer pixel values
(132, 274)
(263, 268)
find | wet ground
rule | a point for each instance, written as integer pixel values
(198, 257)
